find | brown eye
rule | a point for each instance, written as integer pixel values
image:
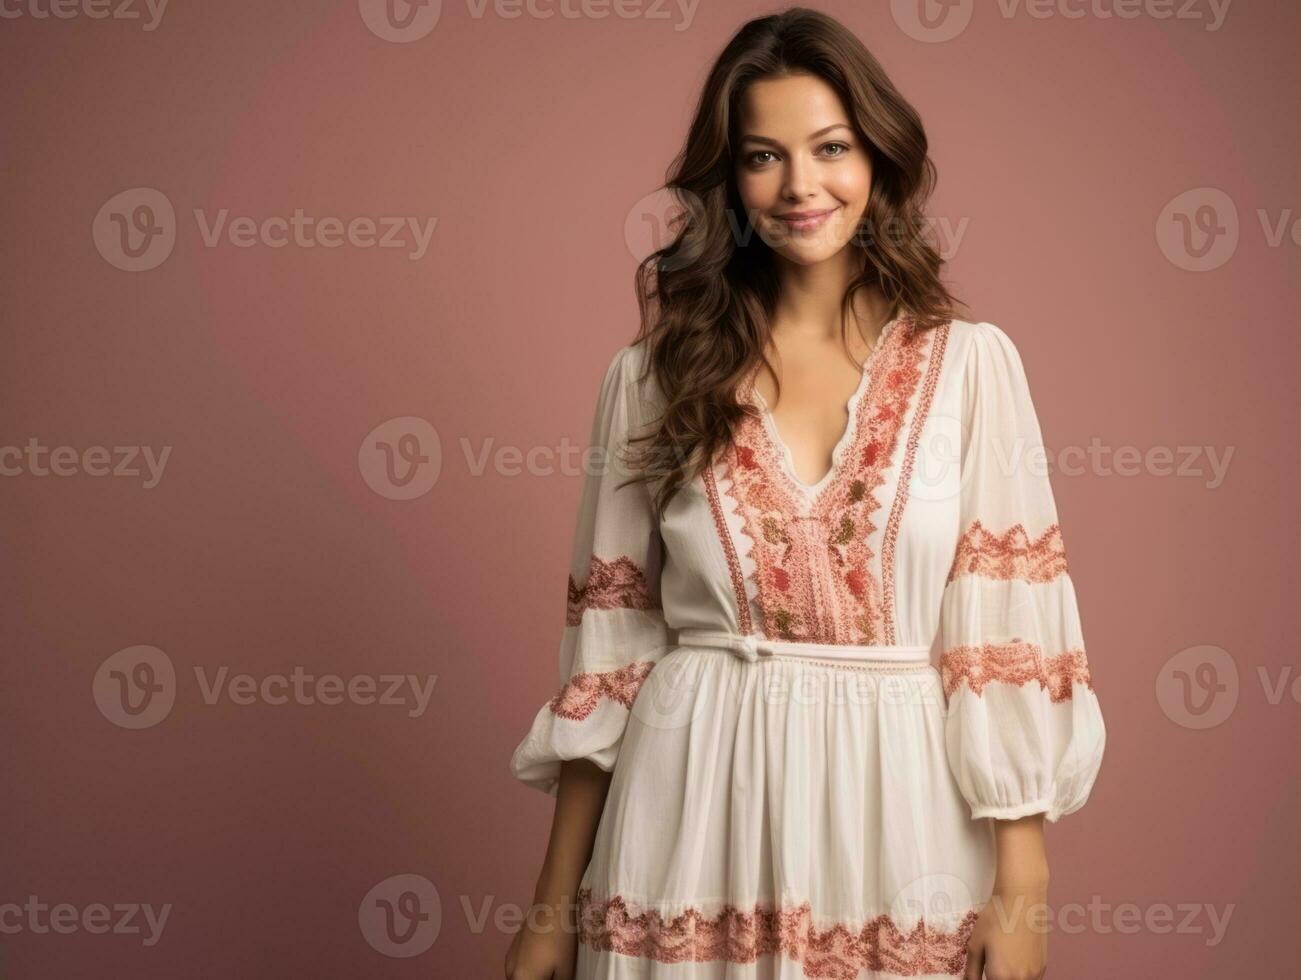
(843, 146)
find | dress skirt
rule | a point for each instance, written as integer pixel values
(782, 811)
(786, 802)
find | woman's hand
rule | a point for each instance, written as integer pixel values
(1010, 940)
(546, 946)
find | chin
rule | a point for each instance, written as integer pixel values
(802, 250)
(810, 253)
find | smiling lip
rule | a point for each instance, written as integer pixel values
(804, 220)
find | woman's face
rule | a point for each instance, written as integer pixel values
(802, 172)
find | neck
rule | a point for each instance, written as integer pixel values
(809, 300)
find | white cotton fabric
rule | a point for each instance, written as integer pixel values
(860, 792)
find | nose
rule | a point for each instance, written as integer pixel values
(801, 178)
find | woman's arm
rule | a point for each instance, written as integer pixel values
(1022, 857)
(546, 945)
(614, 634)
(579, 801)
(1010, 941)
(1024, 729)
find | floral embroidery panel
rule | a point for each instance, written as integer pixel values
(743, 935)
(1010, 555)
(616, 584)
(812, 556)
(1017, 662)
(583, 692)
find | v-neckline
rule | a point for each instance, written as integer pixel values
(813, 490)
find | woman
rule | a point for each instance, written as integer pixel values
(758, 771)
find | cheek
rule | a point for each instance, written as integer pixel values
(756, 190)
(850, 183)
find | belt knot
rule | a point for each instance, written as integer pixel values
(751, 648)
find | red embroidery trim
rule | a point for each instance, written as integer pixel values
(1010, 555)
(583, 692)
(920, 414)
(1018, 662)
(812, 559)
(729, 551)
(838, 952)
(617, 584)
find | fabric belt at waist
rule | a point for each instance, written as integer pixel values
(754, 648)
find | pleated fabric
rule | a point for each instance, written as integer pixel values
(791, 820)
(794, 817)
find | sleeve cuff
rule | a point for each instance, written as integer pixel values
(1044, 805)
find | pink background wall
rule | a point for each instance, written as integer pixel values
(1069, 150)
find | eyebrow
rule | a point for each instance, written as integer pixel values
(812, 136)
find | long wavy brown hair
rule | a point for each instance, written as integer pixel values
(707, 298)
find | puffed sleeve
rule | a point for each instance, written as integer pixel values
(614, 630)
(1024, 731)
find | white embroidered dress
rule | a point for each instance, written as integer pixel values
(813, 697)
